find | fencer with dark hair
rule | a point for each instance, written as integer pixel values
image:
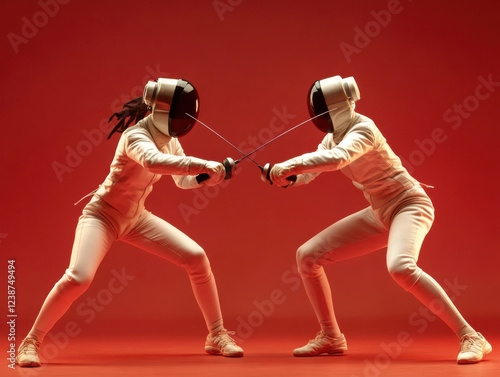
(147, 150)
(398, 217)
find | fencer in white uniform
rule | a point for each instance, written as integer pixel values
(146, 151)
(398, 217)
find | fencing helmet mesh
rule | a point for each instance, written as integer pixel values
(330, 94)
(170, 100)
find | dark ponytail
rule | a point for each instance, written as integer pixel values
(135, 110)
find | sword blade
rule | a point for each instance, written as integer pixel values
(227, 141)
(283, 134)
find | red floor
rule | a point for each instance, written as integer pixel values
(367, 357)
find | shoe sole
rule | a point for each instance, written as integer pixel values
(32, 364)
(216, 351)
(336, 352)
(465, 361)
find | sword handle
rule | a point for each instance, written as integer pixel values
(202, 177)
(229, 166)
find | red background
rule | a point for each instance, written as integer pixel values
(253, 60)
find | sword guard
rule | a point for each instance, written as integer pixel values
(230, 167)
(265, 173)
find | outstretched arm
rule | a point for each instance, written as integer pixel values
(191, 181)
(358, 141)
(141, 148)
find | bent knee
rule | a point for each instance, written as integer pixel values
(303, 253)
(197, 263)
(195, 258)
(77, 277)
(307, 262)
(73, 284)
(404, 271)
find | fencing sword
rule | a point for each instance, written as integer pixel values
(230, 164)
(265, 171)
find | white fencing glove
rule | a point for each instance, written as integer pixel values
(280, 172)
(216, 172)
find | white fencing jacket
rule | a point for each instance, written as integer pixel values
(142, 156)
(360, 151)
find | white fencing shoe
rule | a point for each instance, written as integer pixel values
(473, 347)
(27, 354)
(322, 344)
(223, 344)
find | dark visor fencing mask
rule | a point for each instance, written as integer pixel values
(169, 101)
(326, 95)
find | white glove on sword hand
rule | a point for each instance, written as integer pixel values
(216, 172)
(280, 172)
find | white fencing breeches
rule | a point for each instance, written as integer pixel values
(98, 227)
(401, 225)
